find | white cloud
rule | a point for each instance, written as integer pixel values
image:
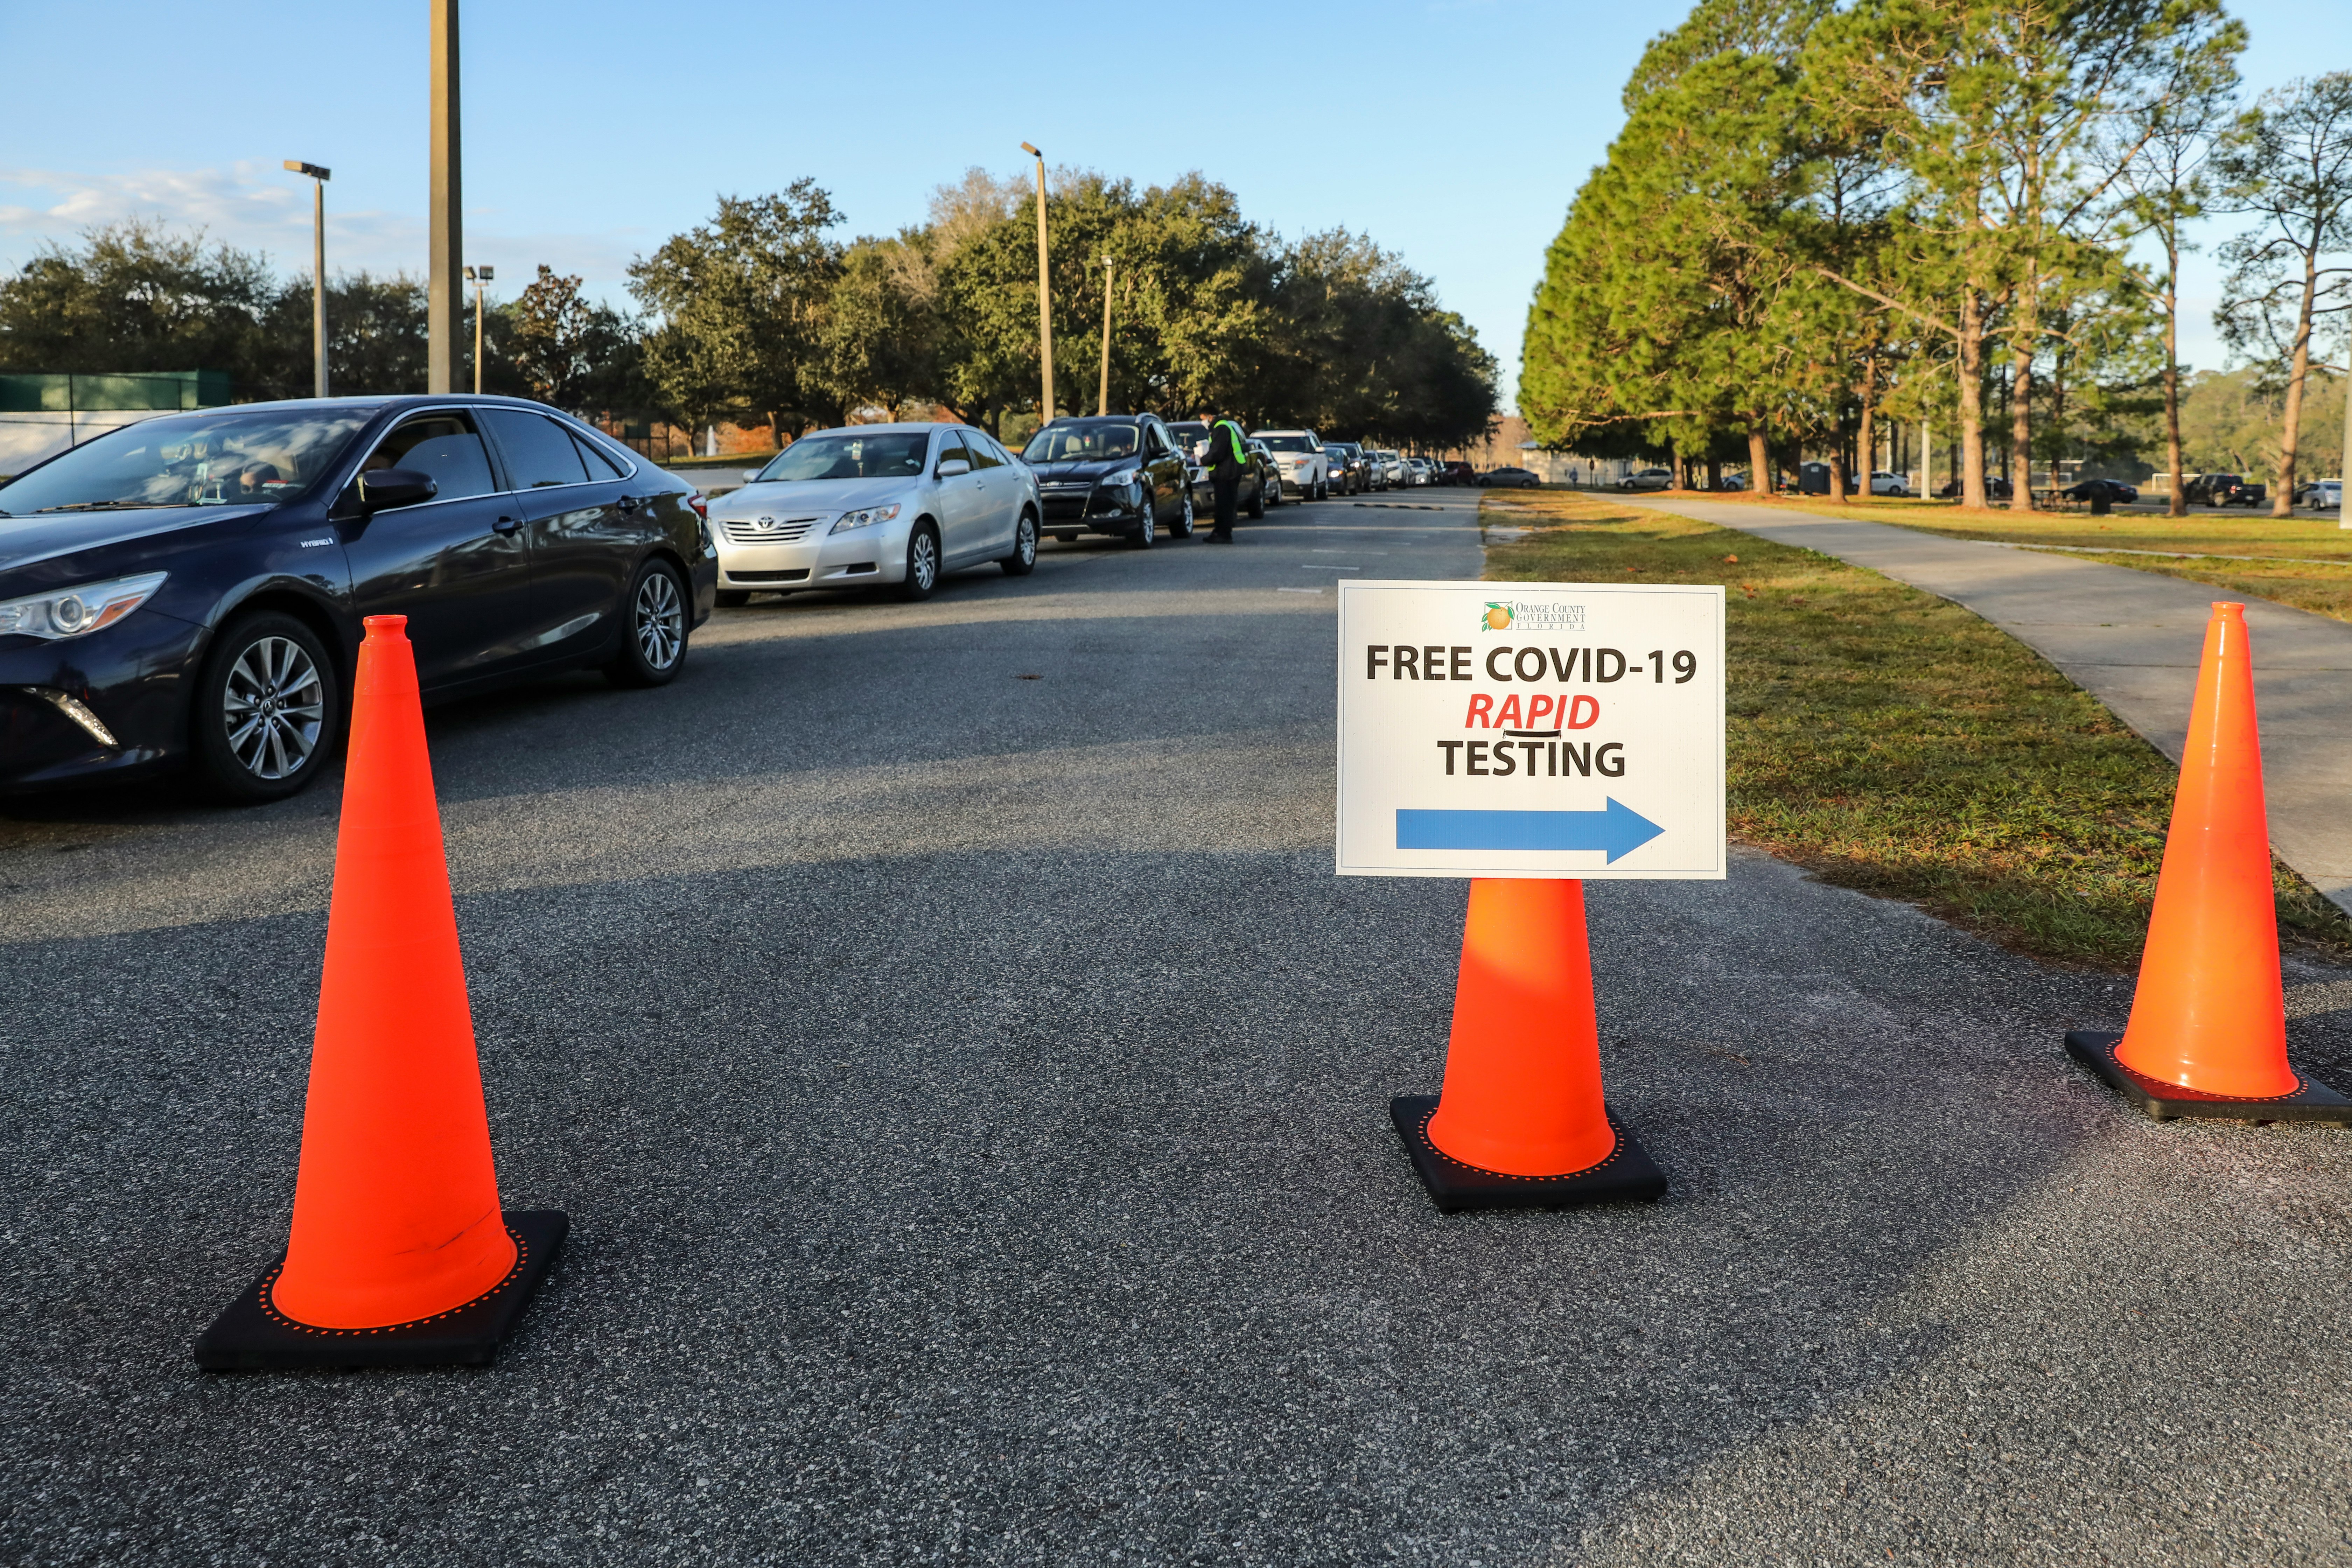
(257, 207)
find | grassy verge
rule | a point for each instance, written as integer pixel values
(2305, 560)
(1893, 742)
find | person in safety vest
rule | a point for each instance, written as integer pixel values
(1227, 461)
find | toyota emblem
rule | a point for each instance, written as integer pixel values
(765, 524)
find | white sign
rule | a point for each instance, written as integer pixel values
(1531, 729)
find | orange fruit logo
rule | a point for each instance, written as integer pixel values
(1498, 617)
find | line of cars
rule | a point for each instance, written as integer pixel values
(191, 591)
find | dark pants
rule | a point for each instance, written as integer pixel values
(1229, 501)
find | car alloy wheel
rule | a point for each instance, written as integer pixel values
(1147, 532)
(268, 709)
(657, 620)
(1182, 527)
(1024, 559)
(273, 706)
(654, 633)
(923, 562)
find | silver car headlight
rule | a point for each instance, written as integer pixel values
(77, 611)
(866, 518)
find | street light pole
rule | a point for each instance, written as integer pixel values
(1045, 290)
(1102, 405)
(478, 275)
(318, 178)
(445, 304)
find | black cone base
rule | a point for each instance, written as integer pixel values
(253, 1336)
(2314, 1101)
(1627, 1175)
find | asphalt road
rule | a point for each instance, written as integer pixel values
(968, 1087)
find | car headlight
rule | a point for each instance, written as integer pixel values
(866, 518)
(1124, 477)
(76, 612)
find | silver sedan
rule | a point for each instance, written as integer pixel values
(901, 504)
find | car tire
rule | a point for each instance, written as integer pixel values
(1276, 499)
(1185, 519)
(1066, 538)
(922, 578)
(1257, 502)
(654, 628)
(1024, 559)
(733, 598)
(268, 710)
(1147, 532)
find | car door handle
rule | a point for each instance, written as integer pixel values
(507, 524)
(628, 503)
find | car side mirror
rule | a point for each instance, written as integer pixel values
(749, 475)
(950, 468)
(382, 490)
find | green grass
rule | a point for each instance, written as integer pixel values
(1889, 741)
(2309, 564)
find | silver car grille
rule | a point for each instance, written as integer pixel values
(768, 530)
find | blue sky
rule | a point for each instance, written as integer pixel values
(1454, 131)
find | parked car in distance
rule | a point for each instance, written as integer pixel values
(1121, 474)
(2323, 495)
(1648, 479)
(190, 591)
(1418, 470)
(1271, 485)
(1350, 464)
(1510, 479)
(2115, 492)
(876, 504)
(1393, 465)
(1996, 489)
(1461, 473)
(1882, 483)
(1300, 455)
(1731, 481)
(2223, 489)
(1191, 435)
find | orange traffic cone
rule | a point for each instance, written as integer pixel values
(1521, 1122)
(2208, 1032)
(400, 1254)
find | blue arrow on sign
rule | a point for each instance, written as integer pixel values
(1616, 830)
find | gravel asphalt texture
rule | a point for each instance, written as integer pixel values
(969, 1086)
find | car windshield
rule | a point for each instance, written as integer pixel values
(1189, 430)
(1080, 443)
(845, 456)
(1287, 443)
(227, 458)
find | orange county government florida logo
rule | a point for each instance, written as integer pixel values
(1498, 617)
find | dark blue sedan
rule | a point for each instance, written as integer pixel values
(188, 591)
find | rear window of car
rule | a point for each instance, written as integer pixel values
(539, 451)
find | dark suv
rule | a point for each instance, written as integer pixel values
(1121, 474)
(2223, 489)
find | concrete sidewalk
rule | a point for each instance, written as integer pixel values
(2132, 639)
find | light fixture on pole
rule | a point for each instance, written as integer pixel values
(1044, 294)
(318, 178)
(478, 275)
(1102, 405)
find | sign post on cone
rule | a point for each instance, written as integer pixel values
(401, 1254)
(2208, 1030)
(1530, 737)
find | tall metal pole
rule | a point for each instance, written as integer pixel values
(2343, 464)
(445, 302)
(318, 178)
(1102, 405)
(478, 277)
(1045, 290)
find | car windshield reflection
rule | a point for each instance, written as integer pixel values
(897, 455)
(1080, 443)
(205, 459)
